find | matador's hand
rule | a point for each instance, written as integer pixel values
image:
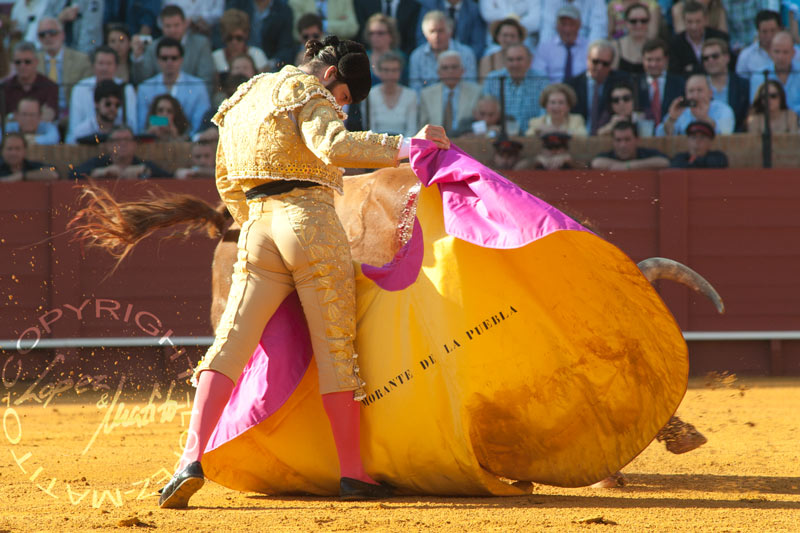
(436, 134)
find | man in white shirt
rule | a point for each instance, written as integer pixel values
(102, 120)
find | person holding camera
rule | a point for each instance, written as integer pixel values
(697, 106)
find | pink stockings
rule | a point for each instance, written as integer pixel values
(213, 392)
(344, 415)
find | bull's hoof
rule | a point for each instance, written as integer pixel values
(680, 437)
(615, 480)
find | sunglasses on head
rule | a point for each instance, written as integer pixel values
(598, 62)
(639, 21)
(48, 33)
(23, 61)
(715, 55)
(623, 98)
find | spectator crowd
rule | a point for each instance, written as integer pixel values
(120, 72)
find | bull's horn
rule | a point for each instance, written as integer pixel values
(661, 268)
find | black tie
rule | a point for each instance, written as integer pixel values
(453, 13)
(387, 7)
(568, 64)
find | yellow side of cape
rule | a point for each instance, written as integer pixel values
(554, 363)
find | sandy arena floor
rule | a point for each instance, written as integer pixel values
(63, 469)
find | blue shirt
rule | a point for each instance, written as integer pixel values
(719, 111)
(46, 133)
(791, 87)
(521, 99)
(423, 66)
(189, 90)
(551, 58)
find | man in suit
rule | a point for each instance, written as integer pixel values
(469, 27)
(657, 88)
(405, 12)
(197, 60)
(686, 46)
(450, 102)
(62, 65)
(726, 86)
(594, 86)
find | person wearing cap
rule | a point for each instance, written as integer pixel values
(564, 56)
(593, 14)
(554, 154)
(282, 144)
(700, 136)
(697, 105)
(627, 154)
(506, 155)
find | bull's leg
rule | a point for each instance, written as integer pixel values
(680, 436)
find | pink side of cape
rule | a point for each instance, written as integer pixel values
(481, 206)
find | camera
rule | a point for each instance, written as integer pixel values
(687, 102)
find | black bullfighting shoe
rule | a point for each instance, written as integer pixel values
(354, 489)
(176, 493)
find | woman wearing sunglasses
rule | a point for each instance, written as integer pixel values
(629, 48)
(622, 104)
(235, 28)
(618, 24)
(781, 118)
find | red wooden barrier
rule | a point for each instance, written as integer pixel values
(739, 228)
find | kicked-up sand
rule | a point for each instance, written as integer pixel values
(64, 466)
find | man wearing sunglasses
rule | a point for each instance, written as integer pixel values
(593, 87)
(197, 60)
(94, 127)
(686, 47)
(726, 87)
(189, 90)
(27, 82)
(82, 102)
(63, 65)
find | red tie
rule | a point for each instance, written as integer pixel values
(655, 102)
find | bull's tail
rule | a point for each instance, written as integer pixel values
(118, 227)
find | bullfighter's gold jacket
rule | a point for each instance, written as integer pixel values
(287, 126)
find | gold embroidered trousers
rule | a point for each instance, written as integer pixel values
(292, 241)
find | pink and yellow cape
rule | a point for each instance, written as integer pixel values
(503, 342)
